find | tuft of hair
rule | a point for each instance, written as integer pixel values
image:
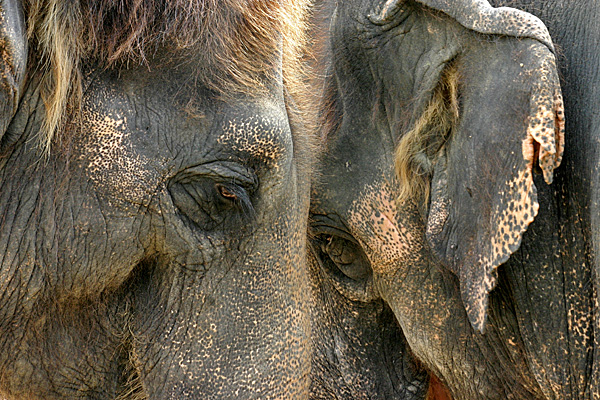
(417, 149)
(134, 386)
(235, 40)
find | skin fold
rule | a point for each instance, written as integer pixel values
(359, 350)
(156, 250)
(481, 245)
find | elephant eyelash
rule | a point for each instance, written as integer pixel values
(235, 196)
(212, 205)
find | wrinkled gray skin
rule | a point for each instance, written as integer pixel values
(126, 269)
(575, 29)
(359, 349)
(495, 305)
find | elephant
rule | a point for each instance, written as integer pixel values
(440, 193)
(155, 173)
(574, 29)
(359, 351)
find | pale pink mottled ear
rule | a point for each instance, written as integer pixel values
(483, 196)
(13, 59)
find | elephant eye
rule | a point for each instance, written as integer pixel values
(212, 205)
(392, 15)
(346, 265)
(345, 255)
(226, 193)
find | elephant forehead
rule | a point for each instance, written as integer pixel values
(375, 221)
(265, 137)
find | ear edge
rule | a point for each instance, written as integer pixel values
(481, 17)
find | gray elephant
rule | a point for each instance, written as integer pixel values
(154, 200)
(485, 263)
(359, 351)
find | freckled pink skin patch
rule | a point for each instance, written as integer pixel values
(260, 137)
(373, 218)
(112, 164)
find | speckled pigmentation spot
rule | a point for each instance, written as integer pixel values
(373, 220)
(513, 214)
(259, 137)
(546, 121)
(517, 206)
(477, 219)
(109, 156)
(438, 215)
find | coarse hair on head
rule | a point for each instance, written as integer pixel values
(236, 41)
(417, 148)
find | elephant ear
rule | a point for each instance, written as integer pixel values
(482, 192)
(511, 120)
(13, 59)
(480, 16)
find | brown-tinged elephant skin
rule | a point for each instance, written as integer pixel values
(153, 202)
(441, 190)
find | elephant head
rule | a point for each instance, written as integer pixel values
(438, 117)
(156, 249)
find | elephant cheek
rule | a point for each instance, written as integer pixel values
(239, 328)
(374, 221)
